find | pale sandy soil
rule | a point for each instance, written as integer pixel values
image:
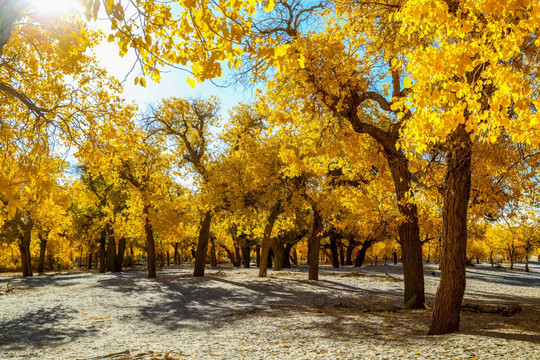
(232, 314)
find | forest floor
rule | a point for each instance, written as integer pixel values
(350, 313)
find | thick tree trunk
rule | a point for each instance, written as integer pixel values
(279, 255)
(168, 259)
(24, 247)
(202, 245)
(334, 251)
(119, 258)
(350, 248)
(237, 257)
(315, 241)
(287, 256)
(176, 254)
(246, 256)
(362, 253)
(150, 243)
(409, 233)
(274, 213)
(42, 248)
(90, 260)
(294, 256)
(341, 253)
(213, 253)
(454, 235)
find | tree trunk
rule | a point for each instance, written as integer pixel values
(409, 233)
(168, 258)
(119, 257)
(213, 255)
(202, 245)
(279, 255)
(362, 253)
(334, 251)
(511, 252)
(341, 253)
(90, 260)
(315, 241)
(111, 248)
(237, 257)
(176, 254)
(150, 243)
(42, 248)
(274, 213)
(246, 256)
(258, 255)
(24, 247)
(454, 235)
(294, 257)
(287, 256)
(102, 252)
(350, 248)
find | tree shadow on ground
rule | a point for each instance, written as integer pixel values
(198, 302)
(34, 282)
(40, 328)
(522, 326)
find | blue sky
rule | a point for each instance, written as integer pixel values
(173, 82)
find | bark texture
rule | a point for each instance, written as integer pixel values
(274, 213)
(150, 243)
(409, 234)
(42, 248)
(315, 241)
(451, 288)
(202, 245)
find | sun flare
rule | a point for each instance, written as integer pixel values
(56, 7)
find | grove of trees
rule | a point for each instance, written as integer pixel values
(378, 129)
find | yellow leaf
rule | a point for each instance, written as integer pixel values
(191, 82)
(407, 83)
(142, 82)
(269, 6)
(109, 6)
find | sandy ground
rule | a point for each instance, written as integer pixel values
(231, 314)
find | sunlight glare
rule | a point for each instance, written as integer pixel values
(56, 7)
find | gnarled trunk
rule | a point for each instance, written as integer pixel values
(334, 251)
(409, 233)
(454, 235)
(202, 245)
(362, 253)
(279, 255)
(287, 256)
(274, 213)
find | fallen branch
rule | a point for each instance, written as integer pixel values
(504, 310)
